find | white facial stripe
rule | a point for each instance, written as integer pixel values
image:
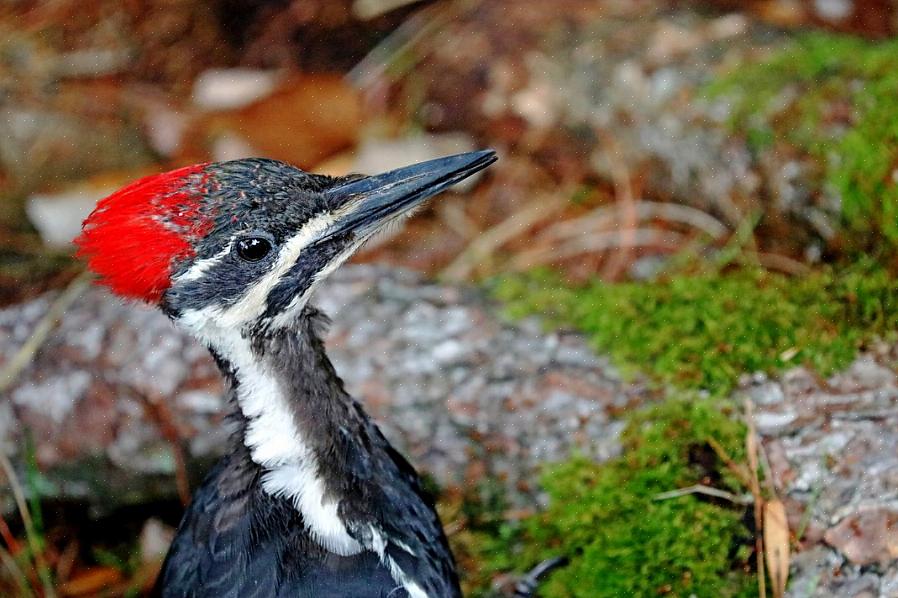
(200, 267)
(252, 304)
(287, 316)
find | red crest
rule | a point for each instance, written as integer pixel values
(134, 236)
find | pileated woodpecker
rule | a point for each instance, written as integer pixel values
(311, 500)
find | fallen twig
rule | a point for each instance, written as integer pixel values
(420, 26)
(742, 238)
(774, 261)
(751, 449)
(158, 413)
(16, 572)
(36, 552)
(605, 216)
(7, 536)
(641, 237)
(526, 586)
(371, 9)
(489, 241)
(739, 470)
(14, 367)
(708, 491)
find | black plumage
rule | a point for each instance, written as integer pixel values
(237, 540)
(311, 500)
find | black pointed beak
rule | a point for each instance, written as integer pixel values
(370, 202)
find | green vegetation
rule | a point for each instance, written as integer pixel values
(828, 97)
(833, 97)
(623, 541)
(695, 332)
(702, 332)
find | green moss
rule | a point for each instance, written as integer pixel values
(621, 540)
(833, 97)
(702, 332)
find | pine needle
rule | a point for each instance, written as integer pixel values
(34, 543)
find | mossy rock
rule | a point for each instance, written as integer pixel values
(831, 97)
(622, 540)
(702, 332)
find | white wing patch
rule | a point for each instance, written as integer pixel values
(379, 545)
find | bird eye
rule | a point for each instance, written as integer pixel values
(253, 249)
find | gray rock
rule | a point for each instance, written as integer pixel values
(833, 452)
(461, 392)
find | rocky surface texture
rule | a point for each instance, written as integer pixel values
(117, 388)
(466, 395)
(832, 446)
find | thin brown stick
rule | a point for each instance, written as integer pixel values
(30, 532)
(707, 491)
(168, 427)
(751, 449)
(782, 263)
(371, 9)
(596, 243)
(605, 216)
(14, 367)
(16, 572)
(769, 482)
(515, 225)
(384, 58)
(7, 536)
(737, 469)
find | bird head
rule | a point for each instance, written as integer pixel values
(242, 244)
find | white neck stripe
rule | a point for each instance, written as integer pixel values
(274, 440)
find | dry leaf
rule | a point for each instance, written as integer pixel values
(776, 545)
(306, 120)
(91, 581)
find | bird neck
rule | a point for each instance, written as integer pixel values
(300, 426)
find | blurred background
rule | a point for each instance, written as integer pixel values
(657, 338)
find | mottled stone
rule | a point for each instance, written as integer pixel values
(832, 446)
(458, 389)
(866, 537)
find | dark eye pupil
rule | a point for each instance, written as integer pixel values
(253, 249)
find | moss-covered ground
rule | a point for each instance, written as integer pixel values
(620, 538)
(693, 335)
(832, 97)
(702, 332)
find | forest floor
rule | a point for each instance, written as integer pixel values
(663, 338)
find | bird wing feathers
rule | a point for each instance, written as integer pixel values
(402, 514)
(236, 540)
